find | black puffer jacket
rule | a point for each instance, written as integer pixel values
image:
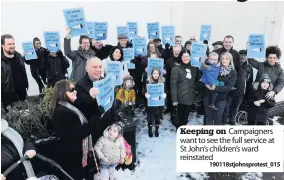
(182, 88)
(260, 113)
(244, 79)
(56, 67)
(10, 155)
(170, 63)
(102, 53)
(7, 82)
(275, 73)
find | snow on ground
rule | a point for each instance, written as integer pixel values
(157, 155)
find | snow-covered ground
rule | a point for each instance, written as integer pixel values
(157, 155)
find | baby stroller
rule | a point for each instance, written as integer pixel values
(41, 157)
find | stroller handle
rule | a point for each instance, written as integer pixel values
(15, 165)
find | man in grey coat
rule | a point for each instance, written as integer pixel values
(79, 57)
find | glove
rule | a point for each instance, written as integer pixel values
(147, 95)
(130, 44)
(139, 56)
(130, 103)
(133, 60)
(126, 103)
(257, 103)
(167, 46)
(101, 109)
(255, 85)
(59, 54)
(164, 96)
(175, 103)
(270, 95)
(261, 101)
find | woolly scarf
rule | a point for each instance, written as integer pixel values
(86, 54)
(224, 71)
(87, 144)
(18, 142)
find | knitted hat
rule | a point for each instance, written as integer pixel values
(127, 77)
(266, 78)
(121, 36)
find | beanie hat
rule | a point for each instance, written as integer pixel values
(127, 77)
(266, 78)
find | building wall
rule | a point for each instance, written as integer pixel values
(237, 19)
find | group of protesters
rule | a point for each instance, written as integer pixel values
(226, 76)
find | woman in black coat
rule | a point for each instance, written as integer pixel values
(72, 128)
(228, 75)
(258, 115)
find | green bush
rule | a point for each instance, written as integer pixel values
(33, 119)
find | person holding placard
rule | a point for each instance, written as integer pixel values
(228, 76)
(154, 112)
(14, 80)
(56, 67)
(126, 97)
(183, 80)
(87, 101)
(116, 54)
(102, 51)
(123, 42)
(270, 66)
(36, 65)
(79, 57)
(228, 43)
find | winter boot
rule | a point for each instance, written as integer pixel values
(157, 131)
(150, 133)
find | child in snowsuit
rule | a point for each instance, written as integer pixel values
(126, 97)
(258, 115)
(210, 70)
(110, 150)
(154, 113)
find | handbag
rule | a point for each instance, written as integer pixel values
(174, 116)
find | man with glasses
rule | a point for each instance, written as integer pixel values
(78, 57)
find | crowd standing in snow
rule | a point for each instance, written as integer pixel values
(83, 126)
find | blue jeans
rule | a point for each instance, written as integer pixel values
(213, 117)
